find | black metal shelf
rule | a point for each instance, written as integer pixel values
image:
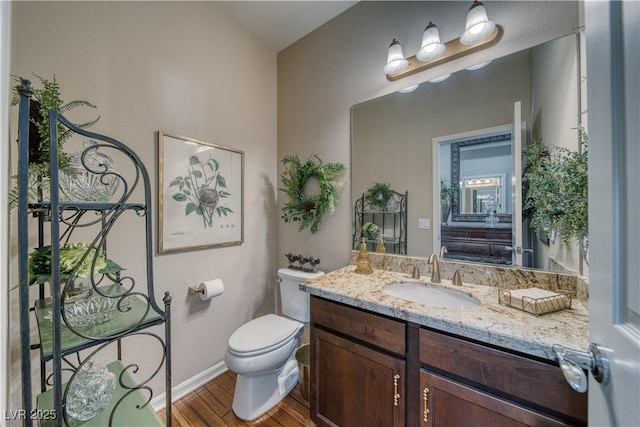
(392, 223)
(57, 340)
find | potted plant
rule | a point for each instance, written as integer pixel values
(44, 99)
(378, 196)
(370, 230)
(555, 190)
(77, 261)
(447, 196)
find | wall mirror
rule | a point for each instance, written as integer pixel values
(393, 138)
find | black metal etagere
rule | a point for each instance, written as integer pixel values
(392, 223)
(62, 344)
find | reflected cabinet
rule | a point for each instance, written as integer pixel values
(93, 303)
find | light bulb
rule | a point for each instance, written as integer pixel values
(396, 61)
(431, 47)
(478, 26)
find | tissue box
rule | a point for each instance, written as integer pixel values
(535, 300)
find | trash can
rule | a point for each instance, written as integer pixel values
(303, 357)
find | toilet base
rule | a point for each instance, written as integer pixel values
(255, 395)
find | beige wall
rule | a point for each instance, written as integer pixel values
(185, 68)
(340, 64)
(392, 136)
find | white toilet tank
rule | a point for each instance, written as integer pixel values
(294, 302)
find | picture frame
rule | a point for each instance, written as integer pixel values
(200, 194)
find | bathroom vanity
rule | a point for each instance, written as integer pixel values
(377, 360)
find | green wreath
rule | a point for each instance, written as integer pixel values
(379, 195)
(306, 210)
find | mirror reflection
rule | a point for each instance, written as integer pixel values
(448, 134)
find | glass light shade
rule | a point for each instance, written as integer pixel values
(431, 47)
(440, 79)
(478, 25)
(480, 65)
(409, 89)
(396, 61)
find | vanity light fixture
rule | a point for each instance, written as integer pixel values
(396, 62)
(480, 65)
(431, 48)
(478, 25)
(480, 34)
(409, 89)
(440, 79)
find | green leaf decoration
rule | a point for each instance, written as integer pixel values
(555, 189)
(179, 197)
(309, 211)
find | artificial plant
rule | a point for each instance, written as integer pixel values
(555, 189)
(43, 100)
(308, 210)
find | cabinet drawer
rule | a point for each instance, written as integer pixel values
(377, 330)
(491, 234)
(483, 249)
(455, 234)
(528, 380)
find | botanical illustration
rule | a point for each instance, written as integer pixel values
(202, 189)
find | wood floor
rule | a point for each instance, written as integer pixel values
(210, 405)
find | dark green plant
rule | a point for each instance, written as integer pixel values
(308, 210)
(447, 191)
(555, 189)
(46, 98)
(378, 195)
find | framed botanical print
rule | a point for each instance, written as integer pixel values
(200, 194)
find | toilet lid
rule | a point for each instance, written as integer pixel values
(261, 334)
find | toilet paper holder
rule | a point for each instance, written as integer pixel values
(193, 289)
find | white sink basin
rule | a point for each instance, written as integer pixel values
(430, 295)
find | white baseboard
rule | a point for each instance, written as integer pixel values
(190, 385)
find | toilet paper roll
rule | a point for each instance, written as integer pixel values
(210, 288)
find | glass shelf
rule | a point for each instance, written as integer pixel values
(131, 413)
(72, 343)
(88, 206)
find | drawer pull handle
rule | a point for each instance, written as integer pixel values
(425, 398)
(396, 395)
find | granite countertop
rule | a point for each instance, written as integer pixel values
(490, 322)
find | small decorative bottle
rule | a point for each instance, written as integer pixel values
(380, 248)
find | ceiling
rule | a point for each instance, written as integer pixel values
(278, 24)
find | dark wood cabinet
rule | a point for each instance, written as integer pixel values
(478, 244)
(355, 385)
(522, 389)
(374, 370)
(447, 403)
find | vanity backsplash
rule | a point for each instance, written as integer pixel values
(487, 275)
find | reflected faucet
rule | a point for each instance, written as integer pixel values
(443, 251)
(435, 269)
(415, 273)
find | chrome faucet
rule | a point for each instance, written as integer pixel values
(435, 269)
(457, 277)
(415, 273)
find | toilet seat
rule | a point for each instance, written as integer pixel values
(262, 335)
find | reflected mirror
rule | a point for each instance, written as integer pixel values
(393, 139)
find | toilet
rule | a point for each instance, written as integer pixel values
(262, 351)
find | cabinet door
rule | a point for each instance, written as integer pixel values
(447, 403)
(353, 385)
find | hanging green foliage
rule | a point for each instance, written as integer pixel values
(555, 189)
(308, 210)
